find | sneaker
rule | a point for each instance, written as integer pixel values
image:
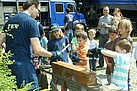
(99, 67)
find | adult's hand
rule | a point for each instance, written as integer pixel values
(57, 54)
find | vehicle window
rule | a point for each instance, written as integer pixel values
(72, 7)
(59, 7)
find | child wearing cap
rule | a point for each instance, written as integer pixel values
(57, 41)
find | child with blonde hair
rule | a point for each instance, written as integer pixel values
(124, 29)
(58, 41)
(78, 28)
(93, 57)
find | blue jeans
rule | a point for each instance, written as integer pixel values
(25, 73)
(92, 63)
(69, 34)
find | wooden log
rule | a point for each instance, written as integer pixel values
(76, 73)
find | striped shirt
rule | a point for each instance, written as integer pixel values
(82, 53)
(121, 68)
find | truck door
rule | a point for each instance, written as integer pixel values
(45, 14)
(57, 13)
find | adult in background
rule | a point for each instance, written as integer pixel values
(25, 33)
(117, 14)
(68, 27)
(104, 24)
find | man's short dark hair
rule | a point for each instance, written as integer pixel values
(28, 3)
(67, 10)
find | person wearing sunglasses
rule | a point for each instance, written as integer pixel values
(24, 40)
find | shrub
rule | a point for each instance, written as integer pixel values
(7, 80)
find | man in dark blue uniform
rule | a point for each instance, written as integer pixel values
(25, 38)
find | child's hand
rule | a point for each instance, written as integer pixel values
(37, 66)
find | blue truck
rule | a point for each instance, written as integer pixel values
(56, 11)
(52, 11)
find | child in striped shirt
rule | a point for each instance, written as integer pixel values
(122, 59)
(80, 57)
